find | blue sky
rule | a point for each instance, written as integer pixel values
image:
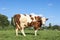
(47, 8)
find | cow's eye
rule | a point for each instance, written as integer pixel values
(47, 19)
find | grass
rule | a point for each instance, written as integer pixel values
(42, 35)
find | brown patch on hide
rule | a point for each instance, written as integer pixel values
(17, 20)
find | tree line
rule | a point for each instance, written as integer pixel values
(6, 24)
(52, 27)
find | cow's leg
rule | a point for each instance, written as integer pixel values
(16, 31)
(22, 31)
(36, 29)
(17, 27)
(36, 32)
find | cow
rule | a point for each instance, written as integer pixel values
(22, 21)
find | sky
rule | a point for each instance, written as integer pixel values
(47, 8)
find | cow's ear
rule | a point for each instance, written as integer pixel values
(46, 18)
(30, 15)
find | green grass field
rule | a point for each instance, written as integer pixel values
(42, 35)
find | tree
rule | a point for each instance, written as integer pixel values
(3, 21)
(50, 26)
(56, 27)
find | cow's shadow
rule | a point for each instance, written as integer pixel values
(28, 34)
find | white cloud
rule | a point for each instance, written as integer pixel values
(19, 9)
(50, 4)
(4, 8)
(36, 14)
(51, 17)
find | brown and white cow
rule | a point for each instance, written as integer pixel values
(23, 20)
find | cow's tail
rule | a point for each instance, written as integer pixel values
(16, 23)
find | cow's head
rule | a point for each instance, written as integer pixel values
(41, 20)
(44, 20)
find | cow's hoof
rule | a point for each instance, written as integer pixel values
(24, 35)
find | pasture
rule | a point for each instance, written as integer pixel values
(42, 35)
